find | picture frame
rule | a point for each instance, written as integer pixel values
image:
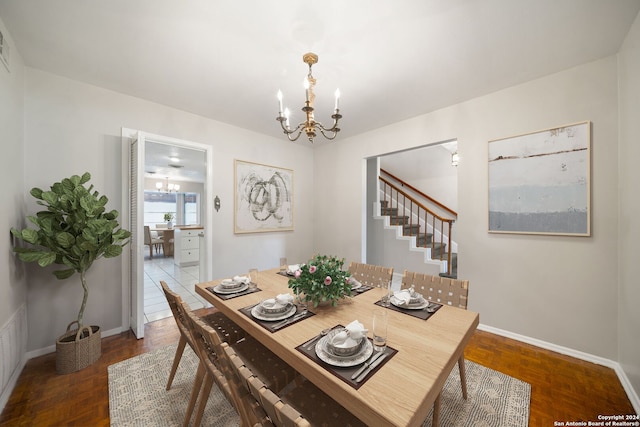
(540, 182)
(263, 200)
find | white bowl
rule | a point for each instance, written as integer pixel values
(353, 346)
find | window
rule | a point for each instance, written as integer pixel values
(184, 207)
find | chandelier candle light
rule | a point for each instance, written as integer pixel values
(171, 187)
(309, 126)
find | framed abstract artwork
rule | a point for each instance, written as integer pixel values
(539, 183)
(263, 198)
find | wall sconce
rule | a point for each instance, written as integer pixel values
(216, 203)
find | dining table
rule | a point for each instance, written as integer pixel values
(167, 235)
(402, 390)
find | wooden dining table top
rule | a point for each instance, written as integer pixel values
(403, 390)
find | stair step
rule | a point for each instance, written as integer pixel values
(424, 240)
(389, 211)
(410, 229)
(398, 220)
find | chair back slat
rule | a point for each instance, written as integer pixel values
(442, 290)
(369, 274)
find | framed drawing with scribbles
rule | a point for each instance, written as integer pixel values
(263, 198)
(539, 183)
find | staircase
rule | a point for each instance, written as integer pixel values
(423, 240)
(416, 220)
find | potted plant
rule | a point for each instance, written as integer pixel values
(73, 231)
(168, 217)
(322, 280)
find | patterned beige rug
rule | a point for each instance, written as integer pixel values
(137, 395)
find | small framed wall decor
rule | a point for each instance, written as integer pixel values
(263, 198)
(4, 50)
(539, 183)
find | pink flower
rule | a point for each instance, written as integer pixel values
(328, 280)
(297, 274)
(312, 269)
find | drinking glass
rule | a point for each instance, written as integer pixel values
(379, 329)
(385, 285)
(300, 301)
(283, 265)
(253, 278)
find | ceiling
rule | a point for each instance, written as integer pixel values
(391, 60)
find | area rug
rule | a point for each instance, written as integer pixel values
(137, 395)
(493, 399)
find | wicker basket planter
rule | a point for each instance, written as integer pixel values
(77, 348)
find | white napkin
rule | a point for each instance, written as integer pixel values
(293, 268)
(402, 297)
(353, 282)
(242, 279)
(278, 301)
(350, 336)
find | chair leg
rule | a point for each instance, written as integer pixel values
(463, 376)
(204, 397)
(197, 383)
(150, 251)
(176, 360)
(436, 411)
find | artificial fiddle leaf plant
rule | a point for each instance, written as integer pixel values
(73, 231)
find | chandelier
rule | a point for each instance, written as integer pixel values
(309, 126)
(170, 187)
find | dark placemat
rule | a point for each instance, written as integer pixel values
(345, 373)
(277, 324)
(420, 314)
(362, 289)
(284, 273)
(249, 290)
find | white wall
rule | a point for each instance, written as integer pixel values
(429, 170)
(629, 230)
(562, 290)
(13, 288)
(12, 284)
(73, 127)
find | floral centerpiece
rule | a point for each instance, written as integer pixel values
(322, 279)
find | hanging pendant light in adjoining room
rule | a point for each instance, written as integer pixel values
(169, 188)
(309, 126)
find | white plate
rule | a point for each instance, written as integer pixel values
(398, 303)
(356, 286)
(342, 361)
(255, 312)
(224, 291)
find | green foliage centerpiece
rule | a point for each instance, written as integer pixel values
(322, 280)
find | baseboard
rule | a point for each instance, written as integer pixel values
(622, 376)
(11, 384)
(52, 348)
(13, 344)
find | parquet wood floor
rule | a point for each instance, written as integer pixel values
(562, 388)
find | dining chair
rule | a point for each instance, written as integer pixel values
(270, 368)
(226, 328)
(150, 241)
(442, 290)
(369, 274)
(210, 371)
(301, 403)
(156, 236)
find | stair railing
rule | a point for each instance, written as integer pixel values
(419, 215)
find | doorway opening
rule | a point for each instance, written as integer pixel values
(169, 187)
